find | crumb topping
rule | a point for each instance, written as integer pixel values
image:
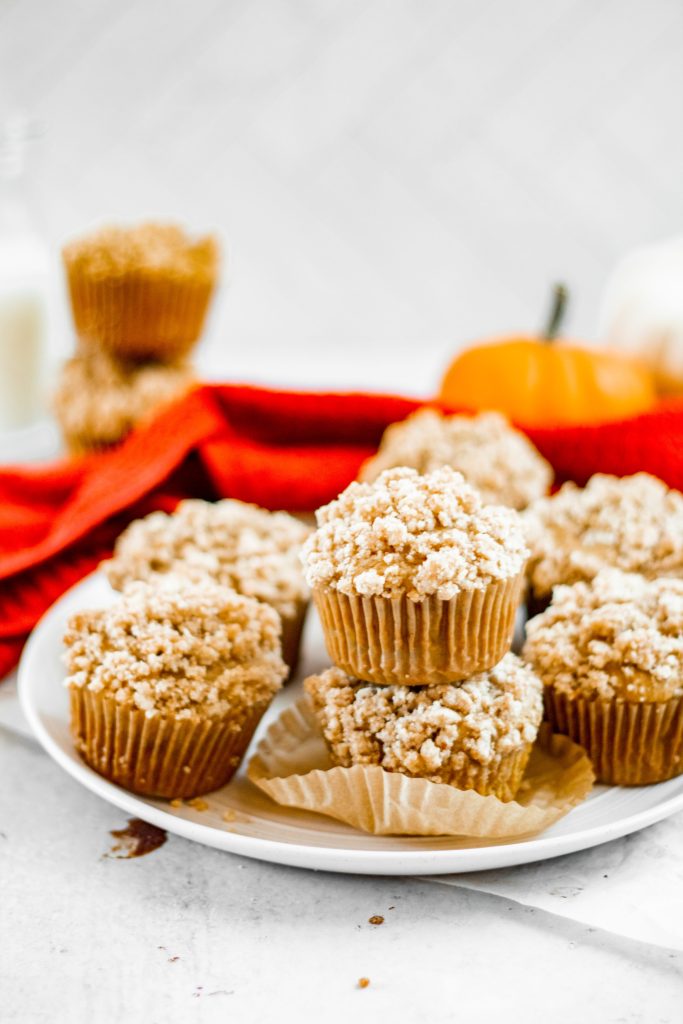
(100, 399)
(499, 461)
(428, 731)
(619, 636)
(151, 249)
(185, 651)
(414, 535)
(634, 523)
(238, 545)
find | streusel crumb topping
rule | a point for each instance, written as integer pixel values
(99, 399)
(428, 731)
(495, 458)
(619, 636)
(634, 523)
(414, 535)
(182, 650)
(145, 248)
(239, 545)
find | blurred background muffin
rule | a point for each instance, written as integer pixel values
(633, 523)
(497, 460)
(100, 399)
(141, 292)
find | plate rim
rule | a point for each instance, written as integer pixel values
(319, 857)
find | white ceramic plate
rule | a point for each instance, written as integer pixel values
(262, 829)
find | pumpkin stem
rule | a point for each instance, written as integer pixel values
(557, 311)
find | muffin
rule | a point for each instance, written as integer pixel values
(476, 735)
(633, 523)
(238, 545)
(499, 461)
(100, 399)
(168, 685)
(416, 581)
(610, 655)
(141, 292)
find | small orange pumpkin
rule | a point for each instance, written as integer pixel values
(540, 382)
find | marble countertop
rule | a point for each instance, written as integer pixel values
(189, 933)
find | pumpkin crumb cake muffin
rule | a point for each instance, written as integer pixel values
(415, 579)
(610, 654)
(476, 734)
(99, 399)
(141, 292)
(168, 685)
(633, 523)
(499, 461)
(254, 551)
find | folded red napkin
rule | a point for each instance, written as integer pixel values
(279, 449)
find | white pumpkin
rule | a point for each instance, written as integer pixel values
(642, 310)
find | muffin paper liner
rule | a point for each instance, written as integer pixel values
(629, 744)
(160, 756)
(397, 641)
(137, 316)
(292, 629)
(292, 765)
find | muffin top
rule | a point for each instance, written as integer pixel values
(413, 535)
(634, 523)
(99, 399)
(238, 545)
(185, 651)
(495, 458)
(619, 636)
(427, 731)
(150, 249)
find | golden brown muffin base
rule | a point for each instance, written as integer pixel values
(138, 316)
(161, 756)
(292, 630)
(629, 744)
(398, 641)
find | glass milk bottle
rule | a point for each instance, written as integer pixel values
(24, 286)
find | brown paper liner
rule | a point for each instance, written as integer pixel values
(138, 316)
(292, 629)
(397, 641)
(629, 744)
(160, 756)
(292, 765)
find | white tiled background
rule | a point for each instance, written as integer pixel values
(391, 177)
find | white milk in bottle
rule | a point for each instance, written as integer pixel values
(24, 287)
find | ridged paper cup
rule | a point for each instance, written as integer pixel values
(292, 765)
(419, 643)
(292, 629)
(138, 316)
(161, 756)
(629, 744)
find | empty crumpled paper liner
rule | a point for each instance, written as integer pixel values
(292, 765)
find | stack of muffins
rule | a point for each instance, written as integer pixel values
(139, 298)
(417, 583)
